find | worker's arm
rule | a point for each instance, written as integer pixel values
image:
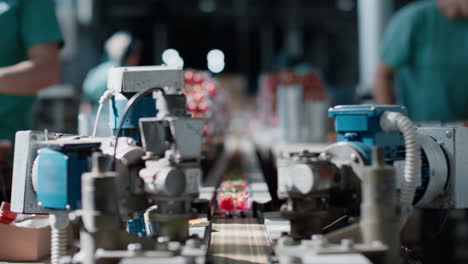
(42, 69)
(383, 85)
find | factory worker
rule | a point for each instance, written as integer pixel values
(121, 50)
(30, 38)
(424, 61)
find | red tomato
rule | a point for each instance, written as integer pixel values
(203, 107)
(198, 78)
(188, 76)
(198, 97)
(191, 107)
(242, 202)
(211, 87)
(227, 203)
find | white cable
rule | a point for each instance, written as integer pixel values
(393, 121)
(102, 101)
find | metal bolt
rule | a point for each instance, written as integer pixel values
(347, 244)
(130, 141)
(163, 239)
(39, 204)
(135, 247)
(448, 134)
(67, 207)
(354, 157)
(324, 156)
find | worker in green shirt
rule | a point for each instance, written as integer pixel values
(29, 61)
(424, 61)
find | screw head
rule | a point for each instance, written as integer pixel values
(135, 247)
(448, 134)
(324, 156)
(163, 239)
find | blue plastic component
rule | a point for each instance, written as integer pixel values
(146, 107)
(59, 179)
(359, 125)
(137, 226)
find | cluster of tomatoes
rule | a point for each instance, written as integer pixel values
(200, 89)
(233, 195)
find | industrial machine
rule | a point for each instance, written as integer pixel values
(149, 168)
(379, 153)
(133, 193)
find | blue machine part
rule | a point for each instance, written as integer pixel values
(59, 179)
(137, 226)
(146, 107)
(359, 125)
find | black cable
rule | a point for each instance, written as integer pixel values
(134, 99)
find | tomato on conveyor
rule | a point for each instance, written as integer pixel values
(234, 196)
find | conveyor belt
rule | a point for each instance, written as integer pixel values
(236, 241)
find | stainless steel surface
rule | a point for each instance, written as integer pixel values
(23, 197)
(315, 120)
(453, 139)
(438, 170)
(135, 79)
(290, 113)
(343, 153)
(379, 207)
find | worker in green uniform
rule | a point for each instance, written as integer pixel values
(424, 61)
(29, 61)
